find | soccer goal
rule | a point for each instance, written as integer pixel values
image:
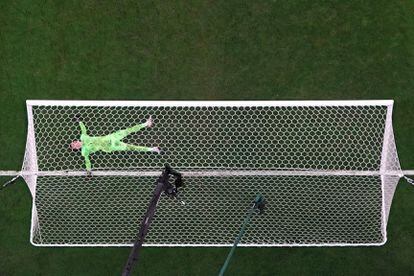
(328, 171)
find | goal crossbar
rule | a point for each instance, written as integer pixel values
(229, 103)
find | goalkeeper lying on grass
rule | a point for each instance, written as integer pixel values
(109, 143)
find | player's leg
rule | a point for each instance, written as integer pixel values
(128, 147)
(121, 134)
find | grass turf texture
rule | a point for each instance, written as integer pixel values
(203, 50)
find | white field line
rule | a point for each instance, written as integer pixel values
(201, 173)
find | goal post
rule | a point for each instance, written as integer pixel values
(328, 170)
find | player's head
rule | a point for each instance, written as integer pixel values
(76, 145)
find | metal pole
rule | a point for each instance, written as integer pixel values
(145, 224)
(236, 242)
(258, 205)
(163, 185)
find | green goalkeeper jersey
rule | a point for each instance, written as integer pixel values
(93, 144)
(108, 143)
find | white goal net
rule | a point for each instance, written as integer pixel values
(328, 171)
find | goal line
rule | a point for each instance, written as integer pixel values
(215, 173)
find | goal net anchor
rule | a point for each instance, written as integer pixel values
(408, 179)
(9, 182)
(168, 183)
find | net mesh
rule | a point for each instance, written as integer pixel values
(328, 173)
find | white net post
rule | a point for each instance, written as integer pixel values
(29, 171)
(327, 169)
(390, 166)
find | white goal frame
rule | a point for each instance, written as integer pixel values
(30, 170)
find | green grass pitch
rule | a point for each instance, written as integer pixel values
(280, 50)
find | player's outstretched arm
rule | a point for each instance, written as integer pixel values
(83, 128)
(87, 162)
